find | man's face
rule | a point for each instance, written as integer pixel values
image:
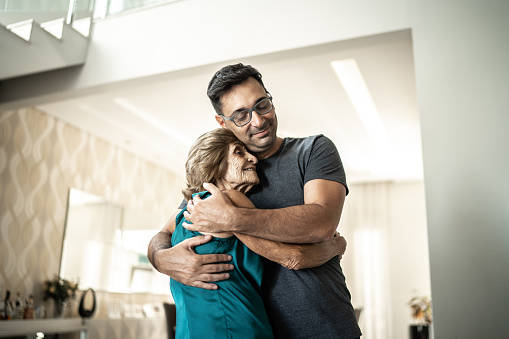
(259, 135)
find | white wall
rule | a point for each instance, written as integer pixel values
(199, 32)
(461, 62)
(192, 33)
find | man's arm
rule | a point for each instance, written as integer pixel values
(296, 256)
(292, 256)
(182, 264)
(315, 221)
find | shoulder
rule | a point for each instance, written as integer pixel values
(315, 144)
(320, 140)
(309, 141)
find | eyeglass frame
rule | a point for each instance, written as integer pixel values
(250, 110)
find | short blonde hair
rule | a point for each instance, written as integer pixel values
(207, 160)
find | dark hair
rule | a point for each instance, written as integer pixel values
(227, 77)
(207, 160)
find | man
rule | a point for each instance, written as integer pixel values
(299, 200)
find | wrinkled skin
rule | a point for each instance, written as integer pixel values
(241, 171)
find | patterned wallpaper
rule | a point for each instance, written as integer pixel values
(41, 157)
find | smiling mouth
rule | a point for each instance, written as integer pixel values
(262, 131)
(250, 169)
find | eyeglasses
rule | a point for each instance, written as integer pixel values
(244, 117)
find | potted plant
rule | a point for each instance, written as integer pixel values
(420, 307)
(61, 291)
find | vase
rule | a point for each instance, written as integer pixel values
(419, 332)
(60, 307)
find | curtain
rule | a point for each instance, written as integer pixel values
(365, 225)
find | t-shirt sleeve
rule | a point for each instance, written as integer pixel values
(183, 204)
(324, 162)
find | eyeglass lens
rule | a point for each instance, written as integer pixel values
(261, 108)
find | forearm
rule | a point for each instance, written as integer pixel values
(296, 224)
(295, 256)
(314, 221)
(160, 241)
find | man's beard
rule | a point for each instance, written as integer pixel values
(257, 145)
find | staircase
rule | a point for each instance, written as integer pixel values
(29, 46)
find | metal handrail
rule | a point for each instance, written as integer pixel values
(105, 8)
(16, 10)
(75, 9)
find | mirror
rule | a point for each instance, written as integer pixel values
(105, 246)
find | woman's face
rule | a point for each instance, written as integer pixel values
(241, 169)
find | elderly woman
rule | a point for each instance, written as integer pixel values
(235, 309)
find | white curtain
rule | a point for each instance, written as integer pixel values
(365, 225)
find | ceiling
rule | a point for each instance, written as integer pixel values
(159, 117)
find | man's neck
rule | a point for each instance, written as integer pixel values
(271, 151)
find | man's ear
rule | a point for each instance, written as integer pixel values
(220, 121)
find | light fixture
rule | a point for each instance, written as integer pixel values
(353, 82)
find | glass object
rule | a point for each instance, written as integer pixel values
(18, 307)
(19, 16)
(44, 10)
(104, 8)
(60, 308)
(243, 117)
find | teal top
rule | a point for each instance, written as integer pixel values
(235, 309)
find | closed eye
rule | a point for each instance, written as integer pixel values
(239, 150)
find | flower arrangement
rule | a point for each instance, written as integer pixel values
(61, 291)
(421, 309)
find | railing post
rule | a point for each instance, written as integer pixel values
(71, 11)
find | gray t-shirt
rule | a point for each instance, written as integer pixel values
(308, 303)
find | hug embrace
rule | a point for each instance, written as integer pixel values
(253, 251)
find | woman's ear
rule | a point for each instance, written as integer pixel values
(220, 121)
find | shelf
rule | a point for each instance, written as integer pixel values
(46, 326)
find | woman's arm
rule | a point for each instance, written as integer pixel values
(292, 256)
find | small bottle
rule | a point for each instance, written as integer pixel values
(9, 310)
(29, 308)
(19, 310)
(2, 309)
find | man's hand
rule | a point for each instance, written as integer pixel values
(182, 264)
(209, 215)
(323, 204)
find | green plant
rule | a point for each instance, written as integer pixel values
(420, 306)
